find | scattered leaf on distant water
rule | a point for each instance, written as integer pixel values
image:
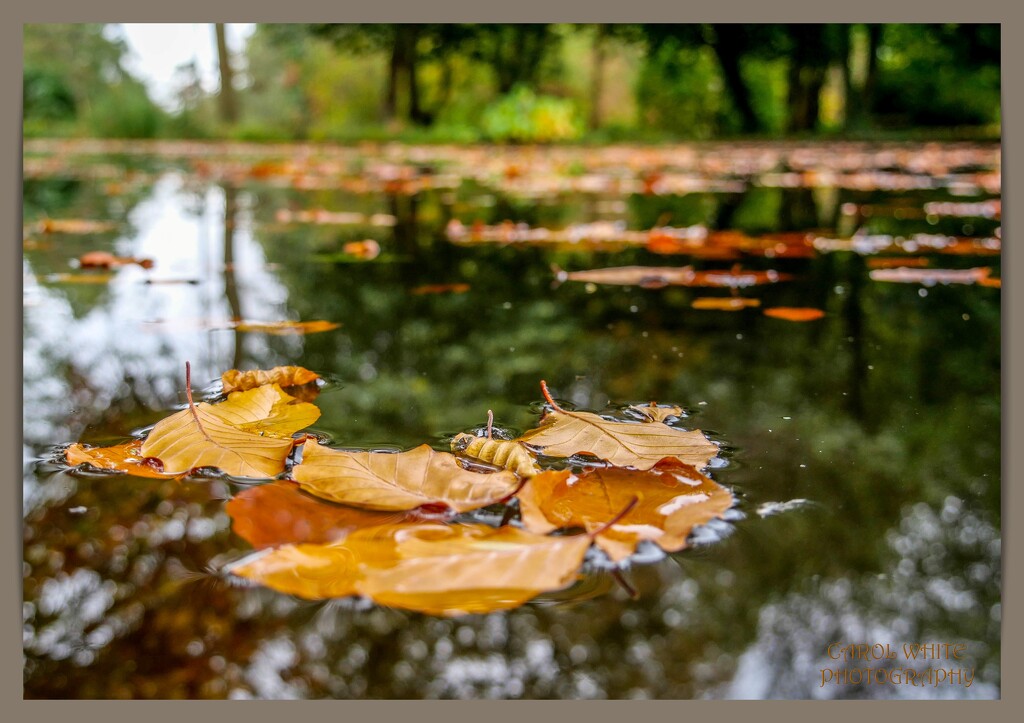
(440, 289)
(278, 513)
(234, 380)
(432, 568)
(74, 226)
(398, 481)
(125, 457)
(284, 327)
(930, 277)
(673, 499)
(78, 278)
(649, 277)
(106, 260)
(366, 250)
(890, 262)
(724, 303)
(623, 444)
(792, 313)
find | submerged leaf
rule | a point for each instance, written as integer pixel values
(398, 481)
(278, 514)
(435, 569)
(285, 376)
(127, 458)
(624, 444)
(673, 499)
(509, 454)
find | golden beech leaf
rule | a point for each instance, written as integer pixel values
(654, 413)
(398, 481)
(125, 457)
(433, 568)
(278, 513)
(624, 444)
(266, 411)
(504, 453)
(239, 436)
(673, 499)
(288, 376)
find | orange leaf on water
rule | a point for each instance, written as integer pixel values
(366, 250)
(794, 313)
(724, 303)
(440, 289)
(127, 458)
(673, 499)
(75, 226)
(106, 260)
(398, 481)
(285, 327)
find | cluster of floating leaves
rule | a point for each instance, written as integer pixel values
(330, 523)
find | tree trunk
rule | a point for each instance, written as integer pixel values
(391, 89)
(597, 78)
(867, 92)
(727, 47)
(228, 102)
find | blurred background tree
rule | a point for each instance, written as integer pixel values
(535, 83)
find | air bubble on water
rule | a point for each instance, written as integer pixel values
(634, 308)
(838, 289)
(590, 288)
(702, 404)
(644, 335)
(922, 293)
(871, 367)
(965, 317)
(787, 417)
(739, 336)
(507, 305)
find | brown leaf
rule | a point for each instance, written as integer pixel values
(673, 499)
(440, 289)
(267, 411)
(125, 457)
(435, 569)
(285, 376)
(398, 481)
(639, 444)
(75, 226)
(503, 453)
(650, 277)
(794, 313)
(277, 513)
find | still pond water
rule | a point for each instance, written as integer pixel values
(863, 448)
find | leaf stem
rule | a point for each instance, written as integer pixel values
(191, 404)
(621, 579)
(625, 511)
(547, 396)
(490, 423)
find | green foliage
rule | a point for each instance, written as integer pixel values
(522, 116)
(680, 90)
(124, 111)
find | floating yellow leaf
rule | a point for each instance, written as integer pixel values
(794, 313)
(234, 380)
(285, 327)
(672, 499)
(504, 453)
(433, 568)
(724, 303)
(266, 411)
(398, 481)
(640, 445)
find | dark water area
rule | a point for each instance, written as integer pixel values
(863, 448)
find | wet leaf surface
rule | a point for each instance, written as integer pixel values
(673, 498)
(127, 458)
(234, 380)
(398, 481)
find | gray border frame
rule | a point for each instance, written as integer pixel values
(14, 16)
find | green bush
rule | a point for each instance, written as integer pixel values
(522, 116)
(124, 111)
